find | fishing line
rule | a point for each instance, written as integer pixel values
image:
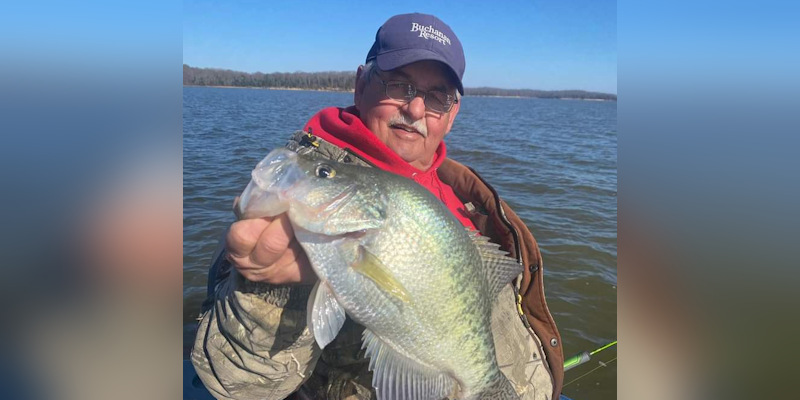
(602, 364)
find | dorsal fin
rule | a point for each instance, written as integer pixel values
(498, 268)
(398, 377)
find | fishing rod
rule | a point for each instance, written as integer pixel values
(581, 358)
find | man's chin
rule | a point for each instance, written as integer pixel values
(413, 157)
(405, 135)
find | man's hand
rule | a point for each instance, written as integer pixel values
(265, 250)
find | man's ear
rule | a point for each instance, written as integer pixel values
(452, 115)
(360, 83)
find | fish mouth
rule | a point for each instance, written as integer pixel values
(278, 171)
(408, 128)
(265, 195)
(321, 237)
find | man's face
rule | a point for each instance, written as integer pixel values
(410, 130)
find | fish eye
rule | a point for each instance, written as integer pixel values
(325, 171)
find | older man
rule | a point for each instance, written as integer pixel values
(253, 341)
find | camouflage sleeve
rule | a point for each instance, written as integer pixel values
(253, 342)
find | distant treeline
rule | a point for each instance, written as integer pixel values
(345, 81)
(545, 94)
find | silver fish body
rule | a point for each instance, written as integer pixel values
(389, 254)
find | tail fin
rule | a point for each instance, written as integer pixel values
(501, 389)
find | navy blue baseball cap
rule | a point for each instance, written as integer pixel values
(408, 38)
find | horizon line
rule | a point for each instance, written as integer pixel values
(353, 72)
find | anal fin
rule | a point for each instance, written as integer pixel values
(396, 376)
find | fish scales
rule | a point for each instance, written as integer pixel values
(397, 261)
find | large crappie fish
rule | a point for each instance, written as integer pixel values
(388, 253)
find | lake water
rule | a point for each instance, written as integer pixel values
(553, 161)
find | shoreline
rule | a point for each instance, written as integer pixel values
(351, 91)
(534, 97)
(272, 88)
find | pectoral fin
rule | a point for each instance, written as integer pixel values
(371, 267)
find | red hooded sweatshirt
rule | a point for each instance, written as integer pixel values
(343, 128)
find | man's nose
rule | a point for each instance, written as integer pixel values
(416, 108)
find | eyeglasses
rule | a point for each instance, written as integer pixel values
(435, 100)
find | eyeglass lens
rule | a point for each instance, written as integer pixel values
(434, 100)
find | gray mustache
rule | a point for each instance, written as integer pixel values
(419, 124)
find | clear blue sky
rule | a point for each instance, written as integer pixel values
(549, 45)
